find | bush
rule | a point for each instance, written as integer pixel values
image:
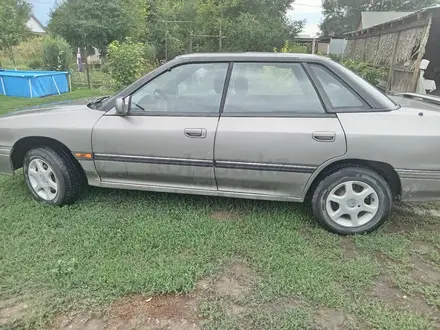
(369, 72)
(35, 63)
(30, 53)
(335, 57)
(293, 48)
(126, 61)
(57, 54)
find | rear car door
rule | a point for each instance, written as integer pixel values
(167, 138)
(274, 131)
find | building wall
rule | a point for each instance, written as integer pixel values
(34, 26)
(323, 47)
(378, 49)
(337, 46)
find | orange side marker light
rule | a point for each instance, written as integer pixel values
(81, 155)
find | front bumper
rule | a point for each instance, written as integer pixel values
(420, 186)
(5, 161)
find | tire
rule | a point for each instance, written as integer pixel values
(347, 212)
(52, 176)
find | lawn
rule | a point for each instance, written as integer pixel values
(139, 260)
(11, 103)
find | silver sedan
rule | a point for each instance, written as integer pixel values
(281, 127)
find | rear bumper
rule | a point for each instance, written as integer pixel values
(420, 186)
(5, 161)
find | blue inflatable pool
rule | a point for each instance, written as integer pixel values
(33, 83)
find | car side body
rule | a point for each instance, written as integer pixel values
(272, 155)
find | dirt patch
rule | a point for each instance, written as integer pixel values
(348, 247)
(203, 284)
(235, 282)
(330, 319)
(160, 312)
(384, 290)
(224, 216)
(282, 304)
(423, 212)
(407, 217)
(80, 321)
(138, 312)
(234, 310)
(422, 247)
(12, 310)
(425, 273)
(174, 312)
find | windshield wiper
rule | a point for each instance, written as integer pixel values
(96, 103)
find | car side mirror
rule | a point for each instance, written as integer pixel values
(121, 107)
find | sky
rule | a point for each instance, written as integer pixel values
(303, 9)
(41, 9)
(311, 11)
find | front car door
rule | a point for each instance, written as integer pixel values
(167, 138)
(274, 131)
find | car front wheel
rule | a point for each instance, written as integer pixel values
(52, 176)
(352, 200)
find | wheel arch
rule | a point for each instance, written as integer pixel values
(22, 146)
(385, 170)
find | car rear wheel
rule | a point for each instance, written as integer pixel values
(352, 200)
(52, 176)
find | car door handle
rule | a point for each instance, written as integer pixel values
(324, 136)
(193, 133)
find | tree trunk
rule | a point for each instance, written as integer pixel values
(11, 56)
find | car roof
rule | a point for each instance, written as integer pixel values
(250, 56)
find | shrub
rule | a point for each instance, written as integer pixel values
(57, 54)
(35, 63)
(30, 52)
(126, 61)
(335, 57)
(292, 48)
(369, 72)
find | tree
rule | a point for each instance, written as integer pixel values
(245, 25)
(341, 16)
(14, 15)
(96, 23)
(57, 54)
(126, 61)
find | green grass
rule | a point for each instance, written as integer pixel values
(115, 243)
(12, 103)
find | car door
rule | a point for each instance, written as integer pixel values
(274, 131)
(167, 138)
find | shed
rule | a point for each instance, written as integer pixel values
(373, 18)
(400, 45)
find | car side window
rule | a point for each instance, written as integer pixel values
(190, 88)
(271, 88)
(339, 95)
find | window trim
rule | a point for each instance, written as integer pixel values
(366, 107)
(226, 87)
(179, 114)
(269, 114)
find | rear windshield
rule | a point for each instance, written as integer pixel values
(379, 97)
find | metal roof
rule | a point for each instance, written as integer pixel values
(372, 18)
(410, 16)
